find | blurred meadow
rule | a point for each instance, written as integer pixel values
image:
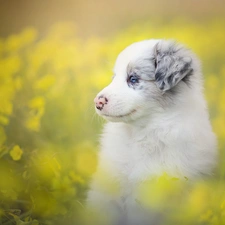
(54, 59)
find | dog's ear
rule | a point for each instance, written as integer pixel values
(172, 64)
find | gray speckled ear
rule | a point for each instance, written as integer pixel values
(173, 63)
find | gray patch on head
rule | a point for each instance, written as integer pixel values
(166, 66)
(173, 64)
(143, 67)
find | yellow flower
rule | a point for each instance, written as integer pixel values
(37, 102)
(16, 153)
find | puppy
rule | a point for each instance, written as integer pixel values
(158, 123)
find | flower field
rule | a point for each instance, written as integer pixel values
(49, 131)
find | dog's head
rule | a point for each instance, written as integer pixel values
(146, 75)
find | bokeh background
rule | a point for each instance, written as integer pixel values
(54, 57)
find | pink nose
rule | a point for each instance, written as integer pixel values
(100, 101)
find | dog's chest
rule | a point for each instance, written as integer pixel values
(144, 159)
(134, 157)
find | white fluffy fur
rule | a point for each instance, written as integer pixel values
(151, 131)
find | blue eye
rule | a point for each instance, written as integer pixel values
(133, 79)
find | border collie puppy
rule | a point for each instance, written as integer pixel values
(157, 123)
